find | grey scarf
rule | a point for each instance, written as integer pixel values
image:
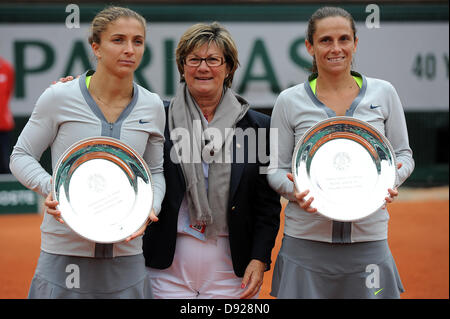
(210, 143)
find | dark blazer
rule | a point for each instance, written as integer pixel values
(253, 207)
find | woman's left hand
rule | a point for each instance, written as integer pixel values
(253, 278)
(151, 218)
(392, 192)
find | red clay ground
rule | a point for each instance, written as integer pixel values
(418, 238)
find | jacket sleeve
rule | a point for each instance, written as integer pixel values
(397, 134)
(35, 138)
(282, 143)
(154, 156)
(267, 208)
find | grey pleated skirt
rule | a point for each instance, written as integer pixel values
(311, 269)
(70, 277)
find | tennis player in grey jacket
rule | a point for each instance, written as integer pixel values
(322, 258)
(102, 103)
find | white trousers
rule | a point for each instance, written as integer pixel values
(199, 270)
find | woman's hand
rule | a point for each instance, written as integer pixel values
(253, 278)
(392, 192)
(51, 207)
(304, 204)
(64, 80)
(151, 218)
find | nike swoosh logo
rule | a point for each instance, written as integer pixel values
(143, 122)
(373, 106)
(376, 292)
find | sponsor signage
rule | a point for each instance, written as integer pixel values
(413, 56)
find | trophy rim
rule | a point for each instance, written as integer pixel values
(112, 142)
(340, 120)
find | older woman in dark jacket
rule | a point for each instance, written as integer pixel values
(219, 218)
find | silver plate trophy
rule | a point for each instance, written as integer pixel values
(348, 167)
(104, 189)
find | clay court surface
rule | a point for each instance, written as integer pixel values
(418, 238)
